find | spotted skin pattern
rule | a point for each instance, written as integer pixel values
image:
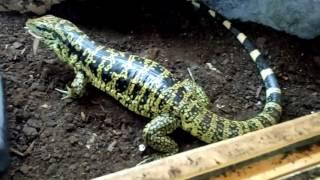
(148, 89)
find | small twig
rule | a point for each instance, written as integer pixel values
(17, 152)
(210, 66)
(102, 108)
(190, 73)
(23, 51)
(258, 91)
(28, 150)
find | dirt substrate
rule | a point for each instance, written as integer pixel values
(95, 135)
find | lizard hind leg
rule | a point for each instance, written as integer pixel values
(155, 134)
(199, 94)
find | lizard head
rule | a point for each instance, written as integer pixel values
(51, 30)
(43, 27)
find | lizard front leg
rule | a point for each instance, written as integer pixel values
(155, 134)
(78, 86)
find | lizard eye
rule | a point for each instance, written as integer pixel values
(41, 27)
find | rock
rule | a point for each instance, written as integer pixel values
(108, 121)
(34, 123)
(72, 167)
(69, 127)
(151, 53)
(25, 169)
(52, 169)
(17, 45)
(73, 140)
(51, 123)
(35, 6)
(297, 17)
(111, 146)
(22, 115)
(300, 18)
(29, 131)
(34, 86)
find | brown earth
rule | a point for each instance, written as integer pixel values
(95, 135)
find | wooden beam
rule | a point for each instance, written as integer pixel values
(275, 167)
(213, 157)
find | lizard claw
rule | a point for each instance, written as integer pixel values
(153, 157)
(67, 93)
(61, 91)
(148, 159)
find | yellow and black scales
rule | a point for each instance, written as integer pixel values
(147, 88)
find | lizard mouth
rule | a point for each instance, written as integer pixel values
(36, 40)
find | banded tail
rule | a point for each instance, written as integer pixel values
(222, 128)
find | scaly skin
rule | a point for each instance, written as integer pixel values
(147, 88)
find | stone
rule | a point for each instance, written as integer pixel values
(73, 140)
(300, 18)
(25, 169)
(29, 131)
(17, 45)
(52, 169)
(35, 6)
(34, 123)
(51, 123)
(297, 17)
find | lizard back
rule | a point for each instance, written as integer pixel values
(137, 83)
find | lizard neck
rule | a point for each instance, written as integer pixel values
(73, 48)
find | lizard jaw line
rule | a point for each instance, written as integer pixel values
(33, 34)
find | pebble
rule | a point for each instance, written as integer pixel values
(111, 146)
(17, 45)
(83, 116)
(23, 114)
(73, 167)
(108, 121)
(29, 131)
(52, 169)
(34, 86)
(70, 127)
(73, 140)
(86, 155)
(142, 147)
(45, 106)
(51, 123)
(152, 53)
(34, 123)
(24, 169)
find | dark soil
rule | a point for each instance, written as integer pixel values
(95, 135)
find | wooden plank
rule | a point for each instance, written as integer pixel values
(275, 167)
(303, 170)
(219, 155)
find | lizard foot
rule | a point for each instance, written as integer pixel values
(66, 93)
